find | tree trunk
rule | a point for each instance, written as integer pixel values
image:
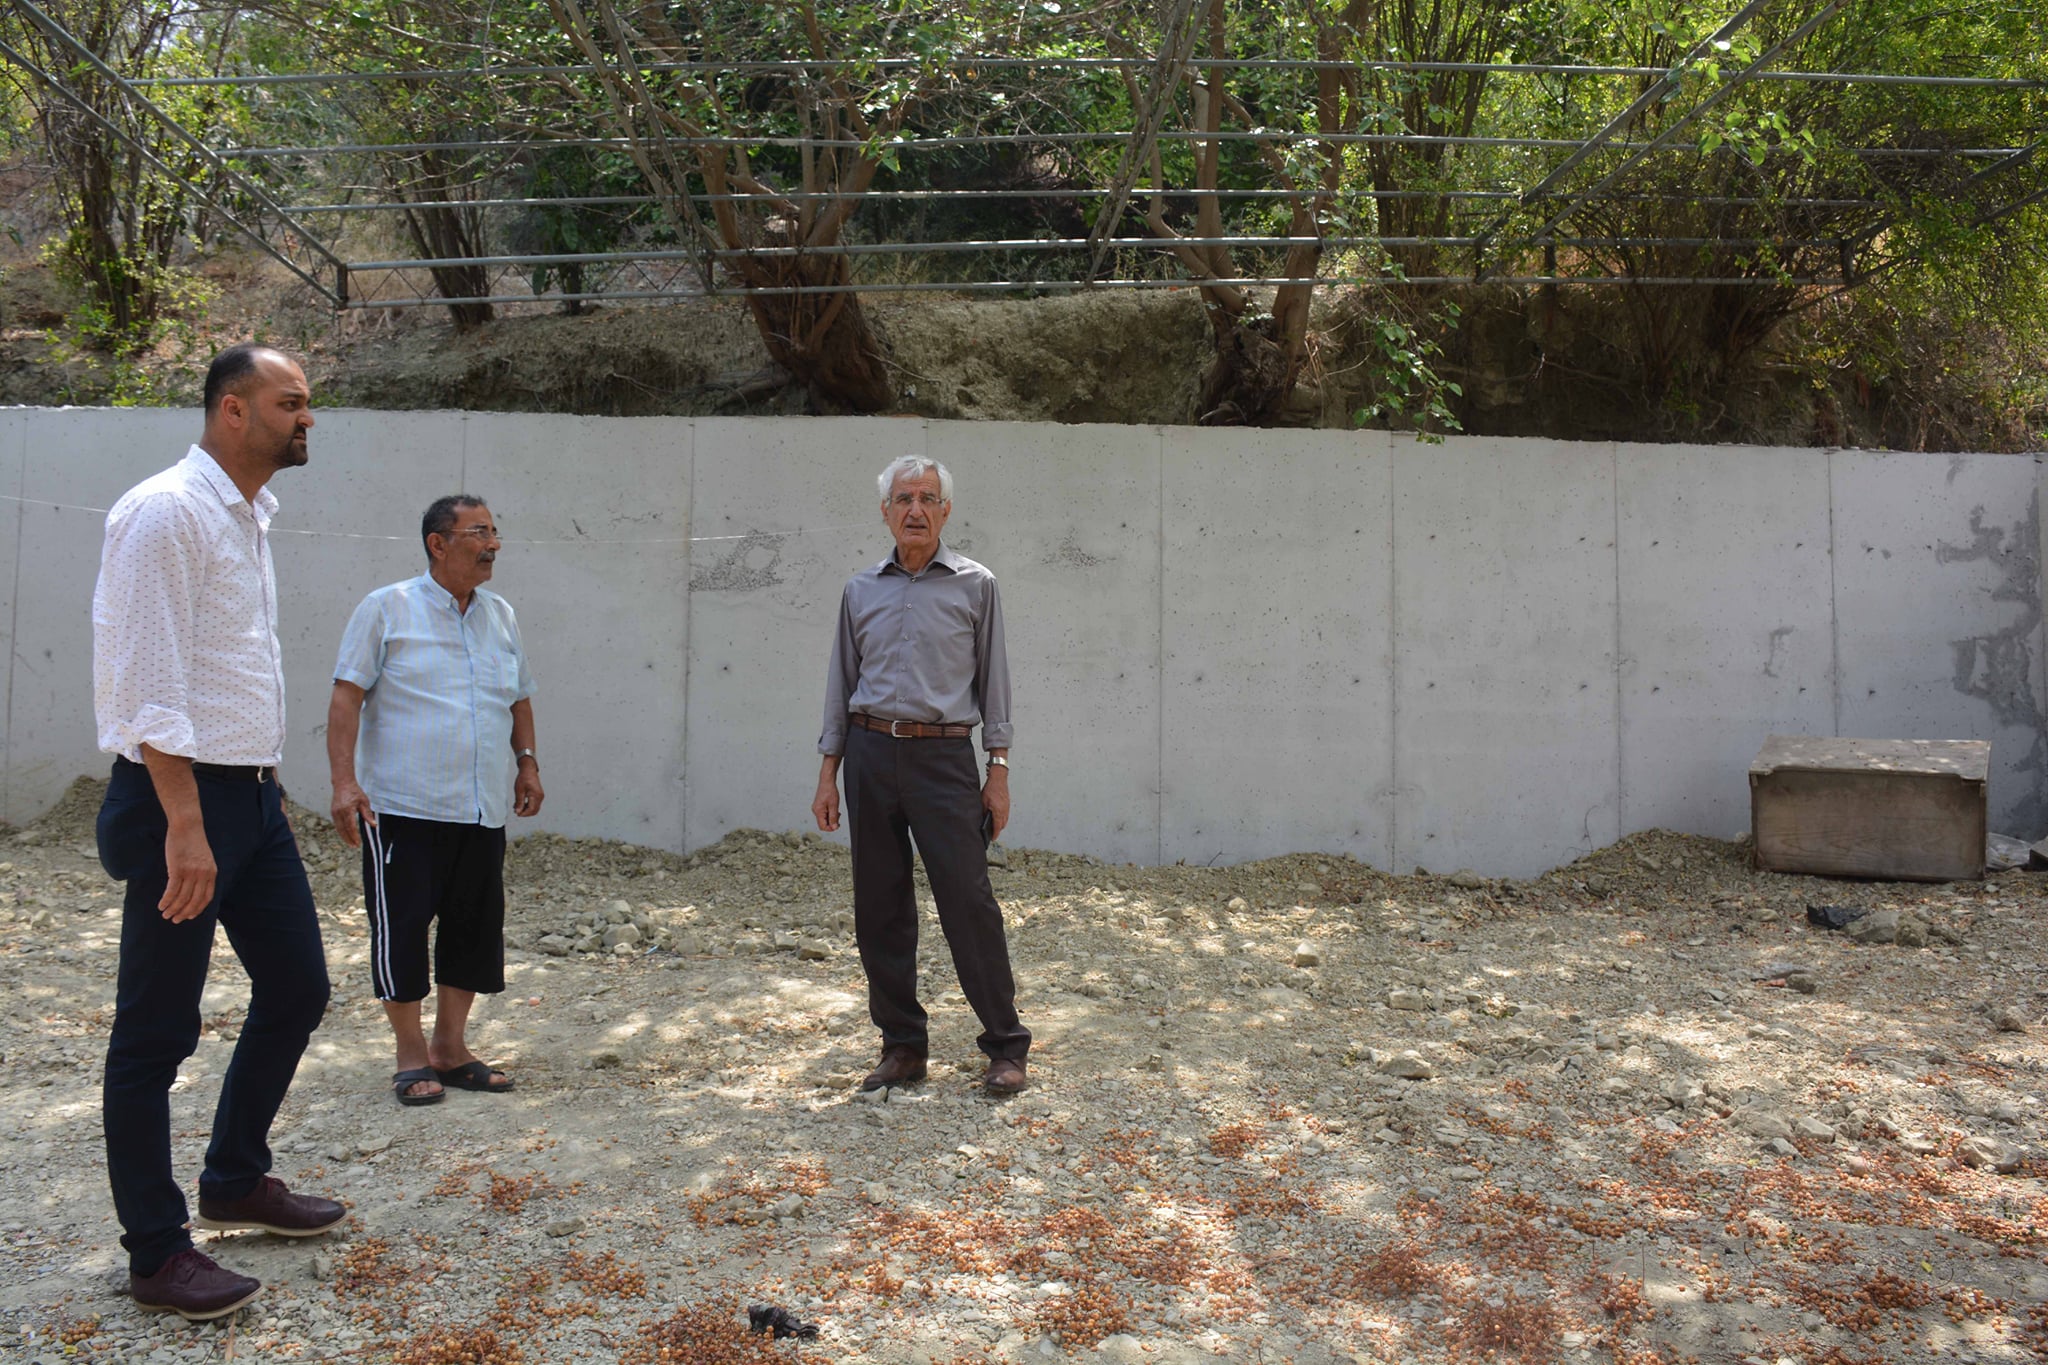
(445, 233)
(1251, 374)
(823, 340)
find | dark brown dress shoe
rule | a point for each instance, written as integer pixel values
(900, 1066)
(193, 1287)
(1006, 1076)
(271, 1207)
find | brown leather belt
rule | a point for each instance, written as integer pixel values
(908, 729)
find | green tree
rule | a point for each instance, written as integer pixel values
(127, 186)
(777, 213)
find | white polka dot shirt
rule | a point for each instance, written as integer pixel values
(185, 656)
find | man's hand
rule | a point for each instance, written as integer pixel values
(825, 805)
(995, 799)
(351, 805)
(189, 859)
(526, 791)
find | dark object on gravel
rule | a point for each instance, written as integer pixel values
(768, 1317)
(1834, 916)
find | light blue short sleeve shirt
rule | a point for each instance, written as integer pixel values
(439, 684)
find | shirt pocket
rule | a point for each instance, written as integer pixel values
(501, 677)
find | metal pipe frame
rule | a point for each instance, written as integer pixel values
(58, 33)
(926, 144)
(337, 296)
(1050, 244)
(1667, 82)
(1677, 125)
(1567, 69)
(1580, 149)
(1077, 192)
(1068, 286)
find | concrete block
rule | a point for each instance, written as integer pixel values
(1938, 613)
(1727, 631)
(77, 462)
(1505, 723)
(783, 514)
(1277, 697)
(348, 522)
(597, 566)
(1068, 518)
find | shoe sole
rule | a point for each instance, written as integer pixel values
(195, 1315)
(867, 1089)
(236, 1225)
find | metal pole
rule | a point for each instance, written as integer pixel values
(1054, 286)
(157, 162)
(1177, 44)
(927, 144)
(1567, 69)
(1655, 94)
(1076, 192)
(240, 181)
(856, 249)
(1727, 88)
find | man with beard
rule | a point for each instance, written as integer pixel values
(188, 693)
(432, 678)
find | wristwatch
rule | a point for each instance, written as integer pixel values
(998, 760)
(518, 754)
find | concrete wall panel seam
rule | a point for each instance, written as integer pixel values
(1620, 727)
(20, 512)
(1393, 797)
(1159, 657)
(1834, 603)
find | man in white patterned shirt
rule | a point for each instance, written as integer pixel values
(432, 678)
(188, 692)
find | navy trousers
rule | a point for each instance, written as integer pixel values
(263, 901)
(897, 788)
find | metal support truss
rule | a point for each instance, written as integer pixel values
(337, 294)
(691, 268)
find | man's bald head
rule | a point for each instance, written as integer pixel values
(235, 370)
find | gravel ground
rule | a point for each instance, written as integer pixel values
(1299, 1110)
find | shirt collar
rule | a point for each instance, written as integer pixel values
(216, 478)
(433, 588)
(945, 559)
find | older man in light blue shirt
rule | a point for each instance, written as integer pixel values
(433, 707)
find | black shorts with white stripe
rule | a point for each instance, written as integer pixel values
(421, 871)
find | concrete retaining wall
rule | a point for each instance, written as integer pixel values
(1494, 654)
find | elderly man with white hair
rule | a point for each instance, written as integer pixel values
(918, 662)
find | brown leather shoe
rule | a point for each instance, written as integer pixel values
(1006, 1076)
(900, 1066)
(271, 1207)
(193, 1287)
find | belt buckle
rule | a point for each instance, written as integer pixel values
(892, 729)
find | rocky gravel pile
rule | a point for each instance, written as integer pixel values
(1644, 1108)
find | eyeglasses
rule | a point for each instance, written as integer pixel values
(925, 500)
(477, 533)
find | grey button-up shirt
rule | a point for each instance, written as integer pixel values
(925, 646)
